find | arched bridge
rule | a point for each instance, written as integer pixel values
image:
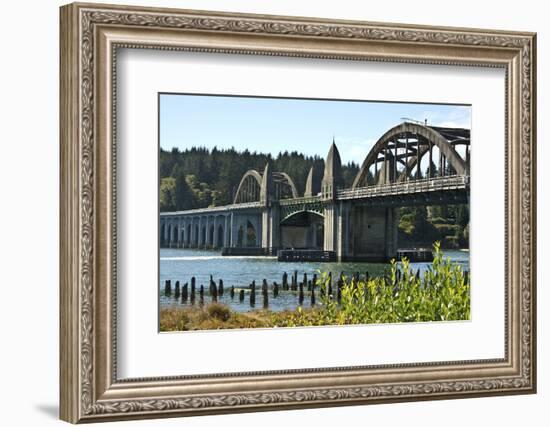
(411, 164)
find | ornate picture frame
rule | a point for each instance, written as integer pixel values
(90, 37)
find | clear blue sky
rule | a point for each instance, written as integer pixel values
(271, 125)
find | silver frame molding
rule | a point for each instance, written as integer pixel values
(90, 37)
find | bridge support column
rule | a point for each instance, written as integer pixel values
(215, 242)
(373, 235)
(202, 234)
(270, 228)
(186, 233)
(181, 230)
(207, 241)
(194, 236)
(162, 233)
(392, 224)
(233, 231)
(331, 227)
(227, 232)
(343, 231)
(169, 240)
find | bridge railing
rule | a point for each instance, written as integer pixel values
(214, 209)
(442, 183)
(299, 200)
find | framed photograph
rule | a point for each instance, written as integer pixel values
(266, 212)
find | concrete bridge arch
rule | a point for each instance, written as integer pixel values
(406, 144)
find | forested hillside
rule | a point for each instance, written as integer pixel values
(199, 177)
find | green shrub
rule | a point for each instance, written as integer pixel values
(442, 293)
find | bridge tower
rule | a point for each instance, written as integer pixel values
(351, 230)
(336, 214)
(270, 211)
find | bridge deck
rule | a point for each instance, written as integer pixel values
(438, 184)
(443, 183)
(214, 209)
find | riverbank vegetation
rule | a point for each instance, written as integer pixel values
(421, 225)
(401, 295)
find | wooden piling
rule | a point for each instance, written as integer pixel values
(312, 298)
(301, 294)
(213, 289)
(232, 292)
(214, 293)
(285, 281)
(201, 295)
(275, 290)
(220, 288)
(184, 294)
(253, 297)
(241, 295)
(177, 290)
(266, 300)
(168, 287)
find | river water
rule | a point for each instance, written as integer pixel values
(182, 264)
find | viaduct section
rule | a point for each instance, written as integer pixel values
(356, 223)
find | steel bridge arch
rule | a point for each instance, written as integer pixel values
(415, 130)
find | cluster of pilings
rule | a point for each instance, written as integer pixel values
(306, 289)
